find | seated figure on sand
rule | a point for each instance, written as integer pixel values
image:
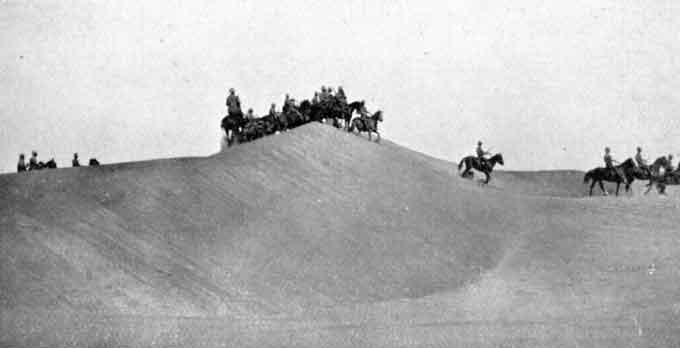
(33, 162)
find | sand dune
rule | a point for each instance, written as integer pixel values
(315, 238)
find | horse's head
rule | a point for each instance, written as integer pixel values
(378, 116)
(497, 158)
(628, 164)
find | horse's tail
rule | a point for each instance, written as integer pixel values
(586, 177)
(460, 165)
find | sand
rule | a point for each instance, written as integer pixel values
(319, 238)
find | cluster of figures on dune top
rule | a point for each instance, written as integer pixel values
(34, 164)
(325, 105)
(660, 173)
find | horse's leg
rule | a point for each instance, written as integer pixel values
(467, 169)
(378, 134)
(591, 188)
(618, 184)
(488, 178)
(602, 187)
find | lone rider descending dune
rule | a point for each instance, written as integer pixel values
(481, 153)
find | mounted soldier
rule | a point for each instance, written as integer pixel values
(481, 153)
(234, 105)
(272, 110)
(669, 167)
(341, 95)
(286, 104)
(642, 162)
(609, 163)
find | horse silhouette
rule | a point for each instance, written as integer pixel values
(600, 174)
(486, 167)
(368, 124)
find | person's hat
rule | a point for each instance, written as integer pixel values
(21, 155)
(231, 90)
(479, 142)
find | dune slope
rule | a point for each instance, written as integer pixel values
(312, 217)
(316, 237)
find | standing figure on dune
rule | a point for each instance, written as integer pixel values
(75, 161)
(21, 165)
(609, 164)
(234, 104)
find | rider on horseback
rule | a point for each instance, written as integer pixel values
(641, 162)
(609, 164)
(481, 153)
(340, 95)
(272, 110)
(363, 112)
(234, 104)
(669, 167)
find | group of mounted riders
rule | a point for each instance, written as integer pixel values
(326, 104)
(661, 172)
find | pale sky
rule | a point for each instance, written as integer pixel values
(547, 83)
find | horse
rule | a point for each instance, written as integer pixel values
(368, 124)
(291, 118)
(656, 176)
(655, 167)
(600, 174)
(668, 179)
(232, 125)
(486, 167)
(51, 164)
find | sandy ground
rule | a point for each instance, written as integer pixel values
(317, 238)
